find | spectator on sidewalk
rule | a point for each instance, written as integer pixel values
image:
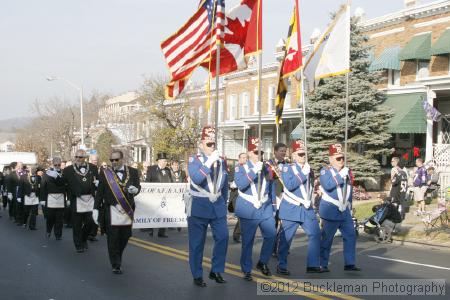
(420, 186)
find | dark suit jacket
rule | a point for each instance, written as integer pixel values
(75, 186)
(154, 174)
(105, 196)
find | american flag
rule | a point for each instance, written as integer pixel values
(192, 44)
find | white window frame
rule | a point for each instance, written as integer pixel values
(255, 101)
(393, 77)
(272, 94)
(232, 105)
(245, 104)
(220, 111)
(418, 76)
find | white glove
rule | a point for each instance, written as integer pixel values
(19, 200)
(96, 183)
(133, 190)
(52, 173)
(233, 185)
(95, 216)
(120, 209)
(258, 167)
(215, 156)
(10, 197)
(306, 169)
(68, 203)
(344, 172)
(42, 203)
(32, 195)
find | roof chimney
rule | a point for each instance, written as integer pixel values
(411, 3)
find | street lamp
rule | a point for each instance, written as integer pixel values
(80, 90)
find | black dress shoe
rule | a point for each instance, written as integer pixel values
(236, 239)
(217, 277)
(248, 276)
(263, 268)
(85, 246)
(48, 235)
(163, 236)
(282, 271)
(325, 269)
(80, 250)
(117, 271)
(92, 239)
(351, 268)
(313, 270)
(199, 282)
(58, 238)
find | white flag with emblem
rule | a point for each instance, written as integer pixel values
(335, 58)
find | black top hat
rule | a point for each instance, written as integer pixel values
(161, 156)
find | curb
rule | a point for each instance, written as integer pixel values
(420, 244)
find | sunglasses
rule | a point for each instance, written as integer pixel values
(79, 157)
(210, 145)
(256, 152)
(114, 159)
(340, 158)
(57, 165)
(300, 154)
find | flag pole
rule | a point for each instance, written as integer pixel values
(259, 93)
(216, 103)
(303, 100)
(278, 132)
(346, 118)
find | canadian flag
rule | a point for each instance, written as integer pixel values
(243, 37)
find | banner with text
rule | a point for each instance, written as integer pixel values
(160, 205)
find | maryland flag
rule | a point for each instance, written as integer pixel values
(292, 61)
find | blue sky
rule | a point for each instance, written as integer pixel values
(110, 45)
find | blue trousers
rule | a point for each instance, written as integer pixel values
(197, 228)
(288, 229)
(348, 234)
(248, 231)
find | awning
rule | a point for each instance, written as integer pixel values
(419, 47)
(442, 45)
(388, 60)
(409, 115)
(297, 133)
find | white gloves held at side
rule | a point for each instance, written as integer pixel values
(10, 197)
(133, 190)
(19, 200)
(95, 216)
(306, 169)
(215, 156)
(96, 183)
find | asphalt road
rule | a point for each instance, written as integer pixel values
(34, 267)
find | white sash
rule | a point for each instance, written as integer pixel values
(201, 192)
(55, 201)
(253, 198)
(29, 200)
(118, 218)
(305, 198)
(85, 203)
(342, 203)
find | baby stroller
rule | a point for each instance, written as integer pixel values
(383, 222)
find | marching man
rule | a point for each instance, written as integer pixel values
(115, 195)
(255, 210)
(81, 178)
(296, 209)
(335, 208)
(207, 206)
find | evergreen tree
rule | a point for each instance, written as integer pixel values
(104, 145)
(367, 118)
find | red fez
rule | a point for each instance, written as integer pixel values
(253, 143)
(335, 149)
(298, 146)
(208, 134)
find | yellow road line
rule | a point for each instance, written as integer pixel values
(207, 261)
(229, 271)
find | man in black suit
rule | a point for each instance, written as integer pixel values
(81, 178)
(115, 196)
(159, 173)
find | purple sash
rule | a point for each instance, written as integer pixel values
(117, 192)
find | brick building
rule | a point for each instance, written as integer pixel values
(411, 48)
